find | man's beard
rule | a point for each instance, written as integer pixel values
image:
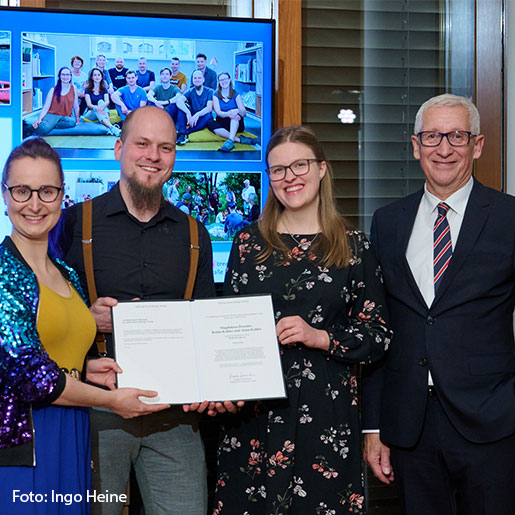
(145, 198)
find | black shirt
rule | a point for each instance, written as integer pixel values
(149, 260)
(118, 77)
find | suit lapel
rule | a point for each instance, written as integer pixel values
(474, 219)
(404, 225)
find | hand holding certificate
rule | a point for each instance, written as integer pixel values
(190, 351)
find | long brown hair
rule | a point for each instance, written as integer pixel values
(232, 91)
(91, 85)
(333, 243)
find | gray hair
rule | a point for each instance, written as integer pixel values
(449, 100)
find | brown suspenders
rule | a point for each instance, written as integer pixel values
(87, 252)
(194, 254)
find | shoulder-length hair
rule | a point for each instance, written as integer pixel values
(91, 84)
(59, 86)
(232, 91)
(332, 245)
(79, 58)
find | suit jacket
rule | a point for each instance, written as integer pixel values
(465, 337)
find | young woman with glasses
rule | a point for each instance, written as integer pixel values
(61, 108)
(46, 330)
(303, 454)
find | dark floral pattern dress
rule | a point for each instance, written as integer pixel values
(302, 455)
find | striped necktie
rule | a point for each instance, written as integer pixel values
(442, 245)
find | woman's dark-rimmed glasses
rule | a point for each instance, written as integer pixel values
(297, 168)
(22, 193)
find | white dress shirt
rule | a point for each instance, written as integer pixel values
(419, 252)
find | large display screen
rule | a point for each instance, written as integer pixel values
(37, 47)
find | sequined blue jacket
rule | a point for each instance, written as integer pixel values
(27, 374)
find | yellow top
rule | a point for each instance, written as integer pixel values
(66, 327)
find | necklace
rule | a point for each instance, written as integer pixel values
(303, 245)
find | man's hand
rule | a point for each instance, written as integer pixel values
(103, 371)
(101, 311)
(194, 120)
(377, 455)
(196, 406)
(213, 408)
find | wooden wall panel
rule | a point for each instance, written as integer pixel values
(288, 105)
(32, 3)
(490, 168)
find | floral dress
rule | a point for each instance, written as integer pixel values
(302, 455)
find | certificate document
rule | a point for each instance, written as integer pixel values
(217, 349)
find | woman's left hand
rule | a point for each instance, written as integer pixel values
(295, 329)
(103, 371)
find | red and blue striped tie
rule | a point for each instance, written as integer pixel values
(442, 245)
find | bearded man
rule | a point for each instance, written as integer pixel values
(141, 249)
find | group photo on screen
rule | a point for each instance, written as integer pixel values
(77, 91)
(5, 67)
(223, 201)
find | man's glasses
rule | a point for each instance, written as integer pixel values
(23, 193)
(297, 168)
(455, 138)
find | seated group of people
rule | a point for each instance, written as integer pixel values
(231, 217)
(92, 95)
(193, 109)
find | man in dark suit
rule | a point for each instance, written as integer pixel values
(444, 398)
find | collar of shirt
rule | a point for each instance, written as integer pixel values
(116, 205)
(457, 201)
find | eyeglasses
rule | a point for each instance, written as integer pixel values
(455, 138)
(23, 193)
(297, 168)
